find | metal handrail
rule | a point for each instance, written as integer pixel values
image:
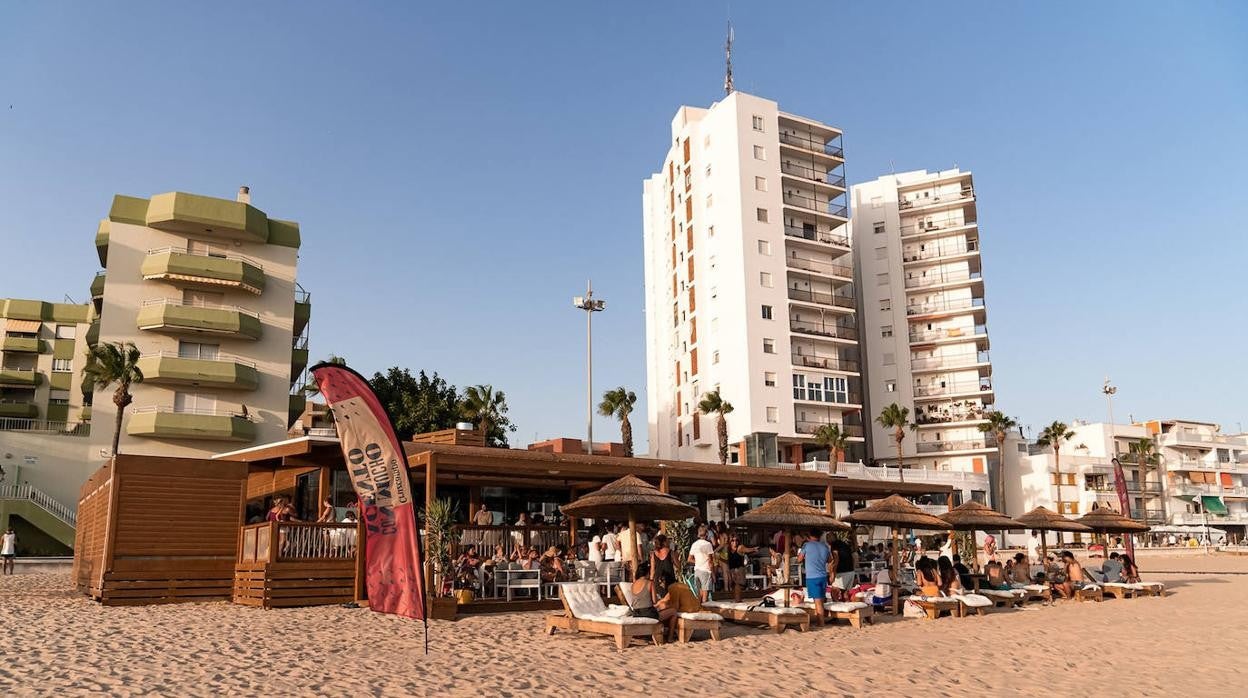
(201, 253)
(821, 176)
(851, 398)
(170, 409)
(942, 251)
(6, 369)
(809, 143)
(221, 357)
(934, 226)
(42, 426)
(41, 499)
(832, 299)
(942, 306)
(964, 194)
(301, 296)
(954, 361)
(178, 302)
(823, 329)
(813, 204)
(819, 266)
(949, 388)
(831, 363)
(959, 445)
(808, 426)
(826, 236)
(948, 333)
(943, 278)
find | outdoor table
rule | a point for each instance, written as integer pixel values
(503, 578)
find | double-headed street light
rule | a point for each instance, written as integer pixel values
(590, 305)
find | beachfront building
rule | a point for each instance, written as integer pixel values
(42, 352)
(1206, 474)
(749, 286)
(206, 289)
(916, 254)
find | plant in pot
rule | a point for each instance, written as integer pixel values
(439, 518)
(680, 539)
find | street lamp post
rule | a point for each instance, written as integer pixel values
(590, 305)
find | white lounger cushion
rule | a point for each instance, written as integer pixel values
(701, 615)
(743, 606)
(838, 606)
(1124, 585)
(932, 599)
(1145, 585)
(583, 600)
(1000, 593)
(1090, 587)
(627, 620)
(974, 600)
(1035, 587)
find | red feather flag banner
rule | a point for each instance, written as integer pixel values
(1124, 501)
(378, 468)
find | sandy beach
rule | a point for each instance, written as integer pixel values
(57, 642)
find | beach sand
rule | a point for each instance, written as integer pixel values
(1191, 642)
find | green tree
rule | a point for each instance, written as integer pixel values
(109, 363)
(487, 408)
(713, 403)
(897, 418)
(1053, 437)
(998, 425)
(1144, 453)
(619, 403)
(831, 437)
(417, 404)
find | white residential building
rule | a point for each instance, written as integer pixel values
(1206, 474)
(924, 324)
(749, 285)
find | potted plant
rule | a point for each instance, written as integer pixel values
(439, 520)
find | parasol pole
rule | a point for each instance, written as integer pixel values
(632, 542)
(896, 572)
(788, 546)
(974, 552)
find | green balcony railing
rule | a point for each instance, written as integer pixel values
(22, 377)
(222, 371)
(170, 315)
(160, 422)
(180, 212)
(32, 345)
(19, 409)
(177, 264)
(97, 285)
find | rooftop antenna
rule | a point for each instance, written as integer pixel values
(728, 88)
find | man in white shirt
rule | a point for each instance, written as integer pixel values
(484, 516)
(8, 550)
(1033, 549)
(595, 551)
(611, 544)
(700, 553)
(946, 548)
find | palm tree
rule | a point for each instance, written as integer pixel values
(998, 425)
(713, 403)
(831, 437)
(1052, 437)
(484, 406)
(1144, 452)
(619, 403)
(897, 418)
(115, 362)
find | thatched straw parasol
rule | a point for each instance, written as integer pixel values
(1107, 520)
(1046, 520)
(973, 516)
(788, 511)
(895, 512)
(629, 497)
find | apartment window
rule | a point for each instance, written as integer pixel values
(202, 299)
(197, 350)
(761, 214)
(881, 252)
(886, 330)
(760, 153)
(836, 389)
(799, 387)
(194, 403)
(58, 397)
(767, 312)
(764, 247)
(205, 248)
(715, 357)
(881, 279)
(764, 278)
(62, 365)
(769, 379)
(758, 123)
(769, 346)
(890, 386)
(886, 305)
(773, 414)
(66, 331)
(760, 184)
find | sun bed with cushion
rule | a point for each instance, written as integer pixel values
(686, 624)
(1120, 590)
(856, 612)
(974, 603)
(1002, 598)
(1090, 592)
(1035, 591)
(585, 611)
(933, 606)
(775, 617)
(1149, 588)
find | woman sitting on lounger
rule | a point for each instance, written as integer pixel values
(950, 581)
(1130, 573)
(1021, 573)
(927, 575)
(643, 601)
(661, 566)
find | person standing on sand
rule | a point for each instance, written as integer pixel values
(1033, 549)
(815, 554)
(8, 550)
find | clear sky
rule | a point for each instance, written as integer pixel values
(460, 169)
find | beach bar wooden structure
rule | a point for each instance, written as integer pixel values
(159, 530)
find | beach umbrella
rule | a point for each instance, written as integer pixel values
(896, 512)
(1043, 519)
(632, 498)
(1106, 521)
(788, 511)
(973, 516)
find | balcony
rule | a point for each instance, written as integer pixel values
(97, 285)
(829, 363)
(950, 306)
(965, 481)
(164, 422)
(1153, 488)
(101, 241)
(812, 426)
(22, 343)
(812, 235)
(303, 309)
(816, 205)
(812, 145)
(817, 266)
(184, 267)
(965, 194)
(945, 252)
(828, 397)
(943, 278)
(984, 444)
(950, 389)
(822, 176)
(20, 377)
(297, 404)
(1180, 437)
(821, 298)
(183, 317)
(1182, 518)
(948, 333)
(927, 229)
(93, 332)
(298, 359)
(191, 214)
(962, 415)
(1150, 516)
(19, 409)
(938, 363)
(222, 371)
(1196, 488)
(820, 328)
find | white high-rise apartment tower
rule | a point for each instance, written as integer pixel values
(749, 286)
(917, 255)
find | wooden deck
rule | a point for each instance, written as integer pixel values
(295, 564)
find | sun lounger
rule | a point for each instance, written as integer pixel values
(1121, 590)
(1035, 591)
(1149, 588)
(688, 623)
(856, 612)
(977, 604)
(777, 618)
(1002, 598)
(585, 611)
(933, 606)
(1090, 592)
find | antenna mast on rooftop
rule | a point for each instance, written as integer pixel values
(728, 61)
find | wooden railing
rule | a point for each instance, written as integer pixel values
(288, 541)
(487, 537)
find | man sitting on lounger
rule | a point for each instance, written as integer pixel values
(1022, 570)
(815, 553)
(1071, 578)
(1111, 569)
(678, 599)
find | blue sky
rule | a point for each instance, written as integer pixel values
(459, 169)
